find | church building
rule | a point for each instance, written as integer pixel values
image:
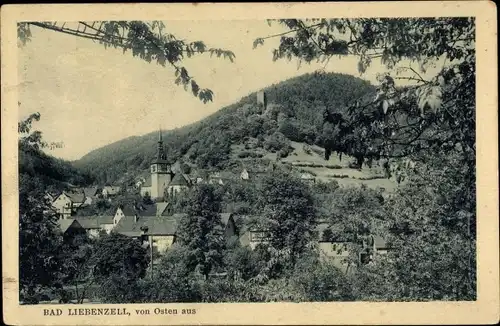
(162, 176)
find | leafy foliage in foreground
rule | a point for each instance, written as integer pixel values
(149, 41)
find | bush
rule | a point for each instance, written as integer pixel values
(333, 167)
(284, 152)
(250, 154)
(276, 142)
(339, 176)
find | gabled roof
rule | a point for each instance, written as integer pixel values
(128, 210)
(146, 210)
(179, 180)
(148, 225)
(126, 226)
(90, 191)
(75, 196)
(105, 219)
(161, 209)
(224, 217)
(65, 224)
(88, 222)
(94, 222)
(156, 209)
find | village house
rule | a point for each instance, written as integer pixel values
(156, 225)
(179, 183)
(253, 231)
(70, 229)
(229, 224)
(67, 202)
(215, 179)
(110, 191)
(163, 179)
(95, 225)
(337, 249)
(308, 178)
(333, 249)
(158, 232)
(244, 175)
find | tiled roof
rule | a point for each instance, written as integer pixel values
(128, 210)
(88, 222)
(156, 209)
(94, 222)
(65, 224)
(179, 180)
(161, 208)
(146, 210)
(225, 218)
(126, 226)
(76, 196)
(155, 225)
(90, 191)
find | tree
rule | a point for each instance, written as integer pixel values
(117, 264)
(76, 253)
(431, 123)
(289, 210)
(40, 239)
(39, 242)
(201, 231)
(147, 40)
(396, 121)
(318, 281)
(175, 280)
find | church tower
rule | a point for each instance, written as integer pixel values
(161, 172)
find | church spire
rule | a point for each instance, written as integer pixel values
(161, 152)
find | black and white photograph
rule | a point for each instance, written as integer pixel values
(287, 160)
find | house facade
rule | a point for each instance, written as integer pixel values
(95, 225)
(66, 203)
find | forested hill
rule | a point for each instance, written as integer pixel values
(294, 112)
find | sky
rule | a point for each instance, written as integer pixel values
(89, 96)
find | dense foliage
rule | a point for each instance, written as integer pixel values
(40, 243)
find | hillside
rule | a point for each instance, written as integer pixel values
(241, 131)
(55, 174)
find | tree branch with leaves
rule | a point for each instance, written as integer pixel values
(147, 40)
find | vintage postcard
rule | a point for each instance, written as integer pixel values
(250, 164)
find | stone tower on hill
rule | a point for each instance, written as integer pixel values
(262, 100)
